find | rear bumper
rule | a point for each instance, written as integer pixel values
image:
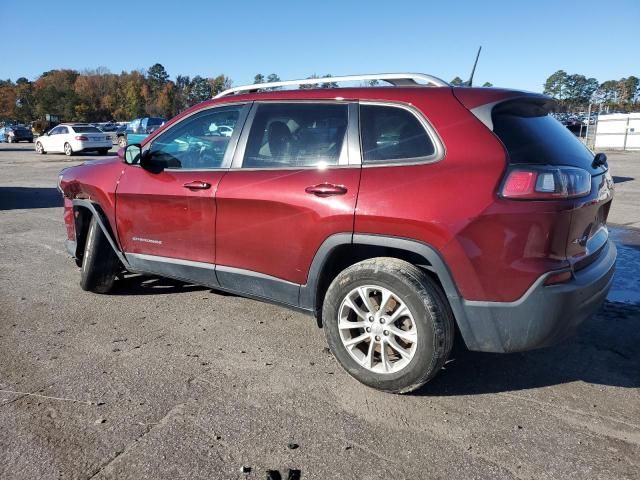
(544, 315)
(80, 145)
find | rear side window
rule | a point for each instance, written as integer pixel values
(392, 134)
(285, 135)
(531, 136)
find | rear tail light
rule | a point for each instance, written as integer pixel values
(545, 183)
(82, 137)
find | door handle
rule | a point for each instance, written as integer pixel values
(326, 190)
(197, 185)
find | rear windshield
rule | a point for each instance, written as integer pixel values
(87, 129)
(538, 138)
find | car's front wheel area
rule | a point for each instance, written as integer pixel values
(99, 262)
(388, 324)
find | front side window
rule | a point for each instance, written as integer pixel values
(392, 134)
(285, 135)
(196, 142)
(56, 131)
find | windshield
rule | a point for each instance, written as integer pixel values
(85, 129)
(532, 138)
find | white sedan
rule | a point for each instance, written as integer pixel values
(71, 138)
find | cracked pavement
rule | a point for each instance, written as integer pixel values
(166, 380)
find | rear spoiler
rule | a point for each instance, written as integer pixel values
(482, 102)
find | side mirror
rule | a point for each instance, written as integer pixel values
(600, 160)
(152, 164)
(131, 153)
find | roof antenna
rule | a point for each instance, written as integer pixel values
(469, 82)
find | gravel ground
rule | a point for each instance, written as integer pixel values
(166, 380)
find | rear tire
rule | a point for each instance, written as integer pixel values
(398, 353)
(103, 151)
(99, 262)
(122, 141)
(68, 151)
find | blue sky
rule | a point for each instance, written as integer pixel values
(523, 42)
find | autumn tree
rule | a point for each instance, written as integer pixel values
(54, 94)
(628, 90)
(219, 84)
(200, 90)
(24, 100)
(157, 77)
(7, 100)
(182, 93)
(163, 105)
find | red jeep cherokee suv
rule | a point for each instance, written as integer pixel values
(393, 214)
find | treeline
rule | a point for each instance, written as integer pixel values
(576, 92)
(99, 95)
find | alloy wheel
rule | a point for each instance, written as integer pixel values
(377, 329)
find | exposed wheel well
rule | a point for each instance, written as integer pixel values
(82, 216)
(344, 256)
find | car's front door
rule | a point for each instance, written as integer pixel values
(52, 142)
(166, 220)
(291, 186)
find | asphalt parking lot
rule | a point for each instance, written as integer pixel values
(165, 380)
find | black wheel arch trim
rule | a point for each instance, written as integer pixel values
(103, 222)
(436, 265)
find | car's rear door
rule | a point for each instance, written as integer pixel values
(292, 185)
(166, 220)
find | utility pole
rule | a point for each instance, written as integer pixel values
(588, 123)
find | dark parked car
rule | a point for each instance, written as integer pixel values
(14, 134)
(398, 216)
(113, 130)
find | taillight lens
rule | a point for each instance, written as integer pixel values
(545, 182)
(82, 137)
